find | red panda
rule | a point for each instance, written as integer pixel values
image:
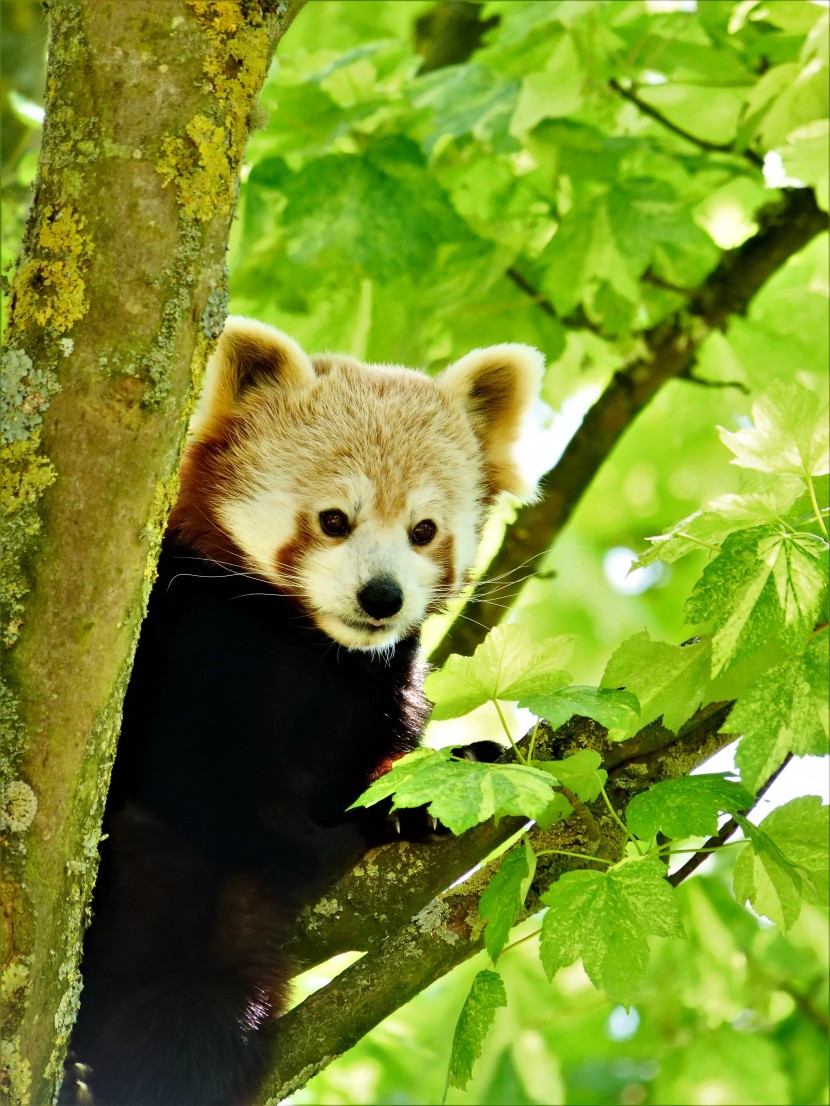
(326, 507)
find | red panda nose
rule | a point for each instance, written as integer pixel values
(381, 597)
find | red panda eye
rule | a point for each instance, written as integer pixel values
(334, 523)
(423, 533)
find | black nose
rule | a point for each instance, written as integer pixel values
(381, 597)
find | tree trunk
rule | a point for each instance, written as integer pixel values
(118, 294)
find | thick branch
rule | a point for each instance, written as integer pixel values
(670, 351)
(394, 882)
(418, 950)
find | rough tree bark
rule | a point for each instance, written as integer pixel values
(119, 291)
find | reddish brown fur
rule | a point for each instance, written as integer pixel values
(289, 558)
(193, 520)
(442, 553)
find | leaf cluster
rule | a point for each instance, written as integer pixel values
(557, 165)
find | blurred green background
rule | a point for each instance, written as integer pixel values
(426, 178)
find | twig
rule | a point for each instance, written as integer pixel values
(583, 813)
(650, 277)
(702, 143)
(724, 833)
(702, 383)
(578, 320)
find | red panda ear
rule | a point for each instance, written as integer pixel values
(248, 353)
(496, 386)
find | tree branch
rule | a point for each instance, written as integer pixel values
(670, 351)
(358, 911)
(578, 320)
(406, 952)
(713, 147)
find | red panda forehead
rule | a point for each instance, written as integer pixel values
(395, 424)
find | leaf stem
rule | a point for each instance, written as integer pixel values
(521, 941)
(515, 747)
(617, 819)
(533, 741)
(698, 541)
(577, 856)
(814, 501)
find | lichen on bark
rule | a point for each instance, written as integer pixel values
(204, 165)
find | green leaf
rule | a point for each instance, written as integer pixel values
(668, 680)
(686, 807)
(508, 665)
(733, 592)
(610, 707)
(462, 793)
(606, 917)
(412, 220)
(800, 830)
(707, 529)
(785, 711)
(790, 435)
(555, 91)
(799, 568)
(580, 773)
(802, 513)
(606, 242)
(304, 116)
(505, 896)
(785, 860)
(465, 99)
(806, 157)
(765, 582)
(486, 996)
(799, 94)
(582, 253)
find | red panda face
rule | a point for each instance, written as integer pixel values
(358, 490)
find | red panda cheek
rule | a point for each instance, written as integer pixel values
(442, 554)
(288, 558)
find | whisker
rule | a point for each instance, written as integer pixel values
(475, 622)
(510, 571)
(505, 584)
(275, 594)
